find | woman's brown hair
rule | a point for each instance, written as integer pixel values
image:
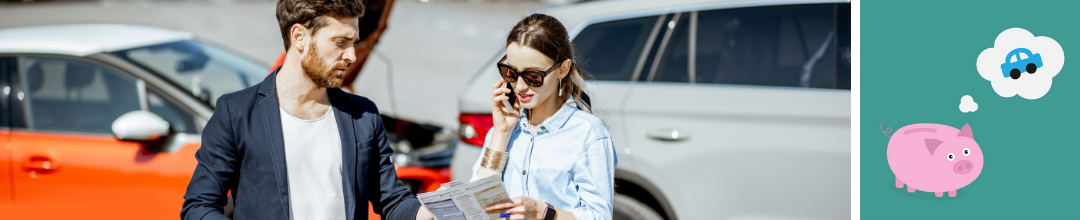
(547, 35)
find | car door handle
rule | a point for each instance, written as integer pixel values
(668, 135)
(40, 164)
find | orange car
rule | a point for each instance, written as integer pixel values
(102, 121)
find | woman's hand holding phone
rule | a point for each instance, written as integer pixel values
(504, 115)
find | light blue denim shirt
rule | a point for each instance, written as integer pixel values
(569, 163)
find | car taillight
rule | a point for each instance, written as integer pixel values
(474, 128)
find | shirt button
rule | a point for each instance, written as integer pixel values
(523, 172)
(542, 128)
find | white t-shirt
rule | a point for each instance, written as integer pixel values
(313, 158)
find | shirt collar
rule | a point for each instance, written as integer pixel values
(555, 122)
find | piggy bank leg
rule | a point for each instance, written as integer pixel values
(952, 193)
(939, 194)
(899, 184)
(910, 189)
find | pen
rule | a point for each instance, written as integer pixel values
(504, 215)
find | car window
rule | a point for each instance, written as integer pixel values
(65, 94)
(8, 65)
(14, 95)
(674, 63)
(180, 120)
(843, 55)
(773, 46)
(204, 71)
(610, 50)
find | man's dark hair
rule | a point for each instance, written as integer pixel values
(312, 14)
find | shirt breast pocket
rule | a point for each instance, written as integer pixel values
(559, 182)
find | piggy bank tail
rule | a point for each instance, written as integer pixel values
(885, 131)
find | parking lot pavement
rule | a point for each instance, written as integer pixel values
(434, 47)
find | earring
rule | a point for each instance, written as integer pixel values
(560, 88)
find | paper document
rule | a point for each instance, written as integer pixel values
(465, 201)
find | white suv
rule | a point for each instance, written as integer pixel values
(718, 109)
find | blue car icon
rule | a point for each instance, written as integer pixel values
(1031, 63)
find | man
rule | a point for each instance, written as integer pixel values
(295, 146)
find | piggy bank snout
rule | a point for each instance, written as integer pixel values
(963, 167)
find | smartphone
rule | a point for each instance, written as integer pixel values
(513, 98)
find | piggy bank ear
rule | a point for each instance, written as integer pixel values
(932, 144)
(966, 132)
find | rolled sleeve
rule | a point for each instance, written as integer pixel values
(594, 174)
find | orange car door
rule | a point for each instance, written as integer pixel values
(66, 162)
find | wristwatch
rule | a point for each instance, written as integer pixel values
(549, 214)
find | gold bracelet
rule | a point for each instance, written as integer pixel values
(494, 160)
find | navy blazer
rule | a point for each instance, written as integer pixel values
(243, 151)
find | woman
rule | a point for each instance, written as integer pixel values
(551, 152)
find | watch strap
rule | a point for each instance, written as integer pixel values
(549, 214)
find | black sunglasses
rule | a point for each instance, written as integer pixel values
(532, 77)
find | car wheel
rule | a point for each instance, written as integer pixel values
(1031, 68)
(630, 209)
(1015, 73)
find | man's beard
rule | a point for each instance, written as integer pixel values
(320, 73)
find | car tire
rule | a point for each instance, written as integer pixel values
(627, 208)
(1015, 73)
(1031, 68)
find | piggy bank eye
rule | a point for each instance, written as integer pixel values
(966, 151)
(951, 157)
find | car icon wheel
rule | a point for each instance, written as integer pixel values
(1031, 68)
(1015, 73)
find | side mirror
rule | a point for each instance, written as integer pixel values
(140, 125)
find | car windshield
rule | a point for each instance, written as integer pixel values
(203, 70)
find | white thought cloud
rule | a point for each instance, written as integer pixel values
(1028, 85)
(967, 104)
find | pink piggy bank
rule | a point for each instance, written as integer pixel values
(934, 158)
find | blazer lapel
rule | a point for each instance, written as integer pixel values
(271, 120)
(339, 101)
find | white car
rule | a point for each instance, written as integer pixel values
(718, 109)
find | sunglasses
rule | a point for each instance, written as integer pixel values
(532, 77)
